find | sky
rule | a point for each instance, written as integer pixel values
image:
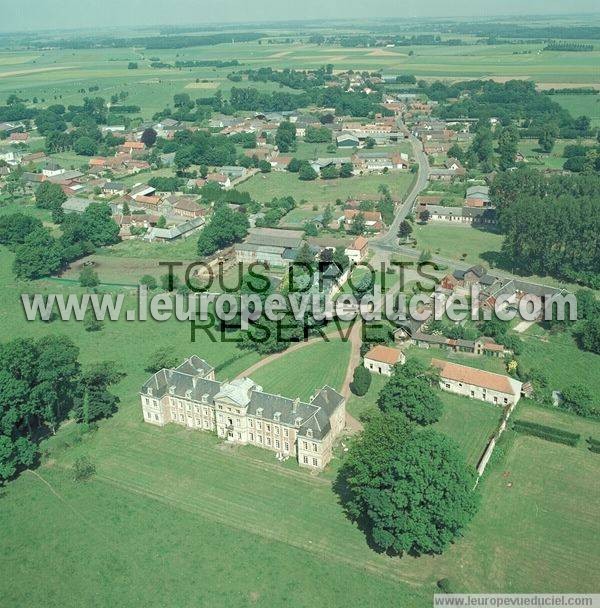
(19, 15)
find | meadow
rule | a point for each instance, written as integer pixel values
(453, 241)
(265, 186)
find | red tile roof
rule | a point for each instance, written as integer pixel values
(476, 377)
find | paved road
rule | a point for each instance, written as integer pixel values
(389, 240)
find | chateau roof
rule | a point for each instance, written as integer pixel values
(188, 381)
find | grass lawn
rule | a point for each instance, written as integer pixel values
(469, 422)
(452, 242)
(581, 105)
(537, 527)
(490, 364)
(265, 186)
(559, 357)
(302, 373)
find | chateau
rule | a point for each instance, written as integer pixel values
(239, 411)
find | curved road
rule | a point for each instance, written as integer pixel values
(389, 240)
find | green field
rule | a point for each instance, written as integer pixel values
(581, 105)
(452, 241)
(302, 373)
(57, 75)
(265, 186)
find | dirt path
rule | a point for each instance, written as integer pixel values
(352, 424)
(276, 356)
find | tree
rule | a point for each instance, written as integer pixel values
(579, 400)
(507, 146)
(149, 281)
(132, 65)
(285, 136)
(83, 469)
(225, 228)
(424, 216)
(125, 209)
(15, 227)
(85, 146)
(161, 222)
(88, 277)
(404, 230)
(369, 143)
(38, 256)
(307, 173)
(305, 255)
(548, 137)
(330, 172)
(49, 196)
(340, 258)
(409, 489)
(358, 224)
(163, 358)
(264, 166)
(346, 170)
(91, 322)
(409, 390)
(94, 400)
(361, 381)
(294, 165)
(327, 215)
(148, 137)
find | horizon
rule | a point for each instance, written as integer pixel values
(50, 15)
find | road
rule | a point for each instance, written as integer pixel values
(389, 240)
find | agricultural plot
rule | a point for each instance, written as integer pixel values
(265, 186)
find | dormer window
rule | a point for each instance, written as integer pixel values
(188, 394)
(259, 412)
(309, 433)
(205, 398)
(298, 421)
(149, 391)
(171, 390)
(277, 416)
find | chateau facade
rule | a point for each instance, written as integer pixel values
(239, 411)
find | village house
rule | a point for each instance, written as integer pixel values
(478, 384)
(478, 196)
(240, 412)
(18, 137)
(271, 246)
(453, 164)
(113, 189)
(220, 178)
(347, 140)
(379, 161)
(373, 220)
(175, 232)
(381, 359)
(51, 169)
(129, 147)
(188, 207)
(463, 215)
(357, 250)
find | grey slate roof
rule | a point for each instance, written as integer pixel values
(188, 381)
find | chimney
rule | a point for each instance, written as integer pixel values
(295, 405)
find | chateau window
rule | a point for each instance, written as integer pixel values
(148, 415)
(276, 430)
(206, 411)
(305, 460)
(447, 385)
(277, 443)
(260, 439)
(286, 446)
(305, 445)
(155, 416)
(259, 425)
(268, 428)
(251, 435)
(315, 447)
(206, 424)
(268, 441)
(286, 433)
(315, 462)
(251, 423)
